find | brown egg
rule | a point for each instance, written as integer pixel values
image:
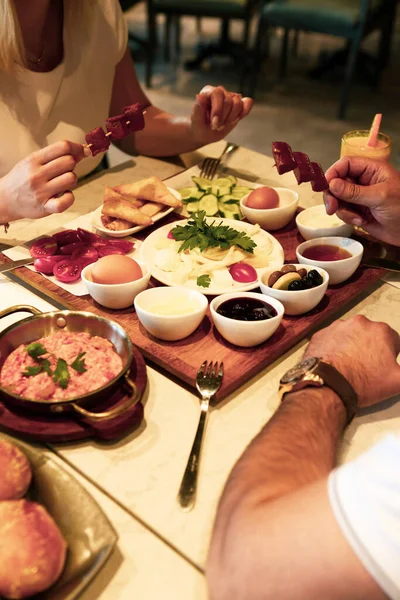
(263, 198)
(114, 269)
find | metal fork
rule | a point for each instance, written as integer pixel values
(208, 382)
(210, 165)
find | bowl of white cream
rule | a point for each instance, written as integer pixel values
(170, 313)
(314, 223)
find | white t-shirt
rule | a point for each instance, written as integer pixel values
(37, 109)
(365, 497)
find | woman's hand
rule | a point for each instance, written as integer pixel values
(366, 193)
(41, 184)
(215, 113)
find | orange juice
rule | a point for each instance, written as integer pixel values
(354, 143)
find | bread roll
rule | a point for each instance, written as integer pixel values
(32, 549)
(15, 472)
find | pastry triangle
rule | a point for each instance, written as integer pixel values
(151, 189)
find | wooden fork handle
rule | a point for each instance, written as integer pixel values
(187, 491)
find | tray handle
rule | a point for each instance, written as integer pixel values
(20, 308)
(114, 412)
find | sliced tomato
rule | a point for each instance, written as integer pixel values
(106, 250)
(45, 246)
(45, 264)
(69, 249)
(125, 245)
(86, 255)
(67, 270)
(87, 237)
(170, 235)
(68, 236)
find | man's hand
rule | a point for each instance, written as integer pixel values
(41, 184)
(365, 352)
(216, 112)
(366, 192)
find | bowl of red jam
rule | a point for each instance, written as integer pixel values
(338, 256)
(246, 318)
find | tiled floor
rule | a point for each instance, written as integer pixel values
(299, 111)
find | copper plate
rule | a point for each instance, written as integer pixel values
(89, 534)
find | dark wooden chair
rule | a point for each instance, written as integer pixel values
(225, 10)
(349, 19)
(126, 5)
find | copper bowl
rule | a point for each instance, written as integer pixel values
(43, 324)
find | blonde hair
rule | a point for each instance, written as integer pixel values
(12, 52)
(12, 49)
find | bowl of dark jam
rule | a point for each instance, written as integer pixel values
(299, 287)
(246, 318)
(338, 256)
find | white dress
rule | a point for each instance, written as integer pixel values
(37, 109)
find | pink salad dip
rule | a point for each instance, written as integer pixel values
(102, 364)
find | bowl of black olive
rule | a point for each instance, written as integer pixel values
(300, 288)
(246, 318)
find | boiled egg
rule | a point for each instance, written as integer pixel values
(114, 269)
(263, 198)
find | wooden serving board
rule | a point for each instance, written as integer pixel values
(184, 357)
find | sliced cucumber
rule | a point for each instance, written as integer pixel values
(187, 192)
(218, 190)
(232, 178)
(229, 199)
(223, 182)
(209, 203)
(241, 190)
(202, 184)
(194, 196)
(192, 207)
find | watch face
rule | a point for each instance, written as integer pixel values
(298, 371)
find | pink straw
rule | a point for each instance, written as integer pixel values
(374, 131)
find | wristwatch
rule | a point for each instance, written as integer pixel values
(316, 372)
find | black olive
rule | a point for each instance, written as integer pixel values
(307, 282)
(315, 278)
(296, 285)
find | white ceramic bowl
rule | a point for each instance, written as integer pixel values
(170, 327)
(300, 301)
(117, 295)
(271, 219)
(309, 223)
(338, 270)
(246, 333)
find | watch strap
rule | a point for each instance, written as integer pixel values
(340, 385)
(325, 374)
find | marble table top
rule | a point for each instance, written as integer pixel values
(142, 472)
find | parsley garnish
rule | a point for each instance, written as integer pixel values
(79, 363)
(61, 374)
(32, 371)
(35, 350)
(204, 280)
(197, 233)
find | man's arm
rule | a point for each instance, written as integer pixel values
(275, 534)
